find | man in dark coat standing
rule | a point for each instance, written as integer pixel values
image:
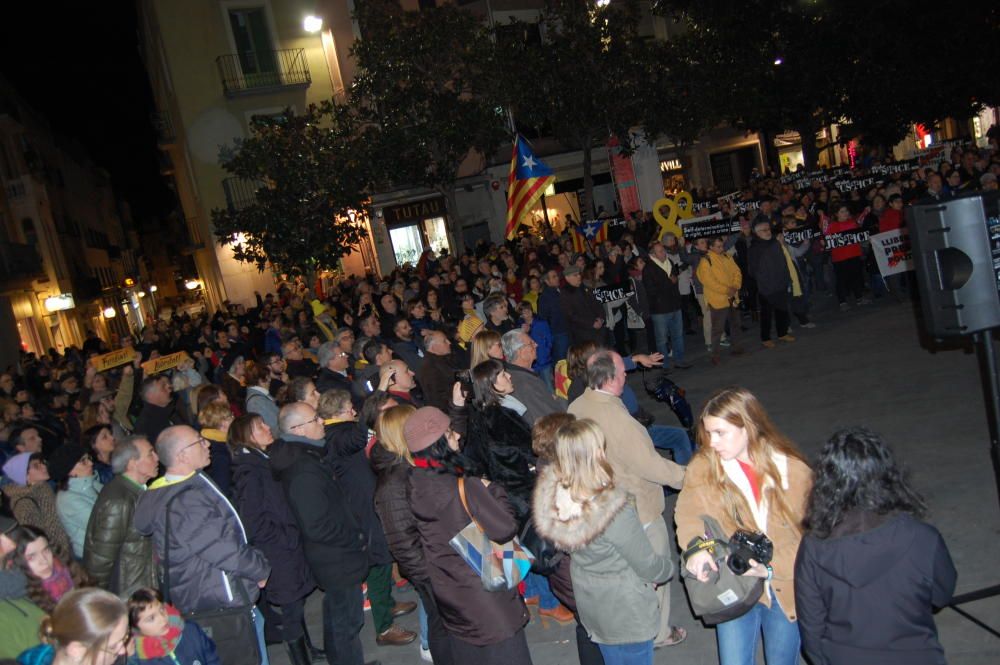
(550, 309)
(159, 410)
(334, 370)
(332, 539)
(436, 375)
(584, 315)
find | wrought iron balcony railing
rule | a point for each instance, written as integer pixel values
(240, 192)
(252, 72)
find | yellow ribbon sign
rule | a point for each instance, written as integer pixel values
(669, 223)
(162, 364)
(113, 359)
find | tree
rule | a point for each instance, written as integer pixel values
(309, 176)
(419, 89)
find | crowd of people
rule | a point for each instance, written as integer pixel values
(339, 437)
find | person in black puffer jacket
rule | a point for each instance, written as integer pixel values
(392, 461)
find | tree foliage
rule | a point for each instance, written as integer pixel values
(418, 89)
(310, 174)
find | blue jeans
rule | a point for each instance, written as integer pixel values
(668, 329)
(258, 623)
(422, 619)
(538, 585)
(343, 618)
(636, 653)
(672, 438)
(738, 638)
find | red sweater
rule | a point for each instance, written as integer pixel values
(890, 220)
(839, 254)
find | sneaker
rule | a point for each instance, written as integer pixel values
(724, 342)
(767, 344)
(394, 636)
(809, 325)
(787, 338)
(559, 613)
(844, 307)
(677, 635)
(425, 655)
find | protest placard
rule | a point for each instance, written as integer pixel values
(163, 363)
(844, 239)
(606, 294)
(893, 252)
(113, 359)
(797, 236)
(708, 226)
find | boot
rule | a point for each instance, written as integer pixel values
(316, 654)
(298, 652)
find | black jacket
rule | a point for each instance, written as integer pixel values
(865, 594)
(332, 540)
(436, 377)
(662, 293)
(500, 442)
(468, 611)
(154, 419)
(327, 379)
(580, 308)
(768, 266)
(270, 526)
(392, 503)
(345, 451)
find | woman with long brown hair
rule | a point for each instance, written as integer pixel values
(49, 570)
(748, 475)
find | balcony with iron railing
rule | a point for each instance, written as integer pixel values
(240, 192)
(256, 72)
(20, 264)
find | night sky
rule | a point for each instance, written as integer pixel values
(78, 65)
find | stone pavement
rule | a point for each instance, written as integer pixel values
(869, 367)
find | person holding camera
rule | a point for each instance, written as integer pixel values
(749, 477)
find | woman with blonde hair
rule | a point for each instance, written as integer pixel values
(748, 475)
(88, 626)
(485, 345)
(614, 568)
(392, 462)
(215, 418)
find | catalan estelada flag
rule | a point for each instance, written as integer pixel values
(588, 234)
(529, 176)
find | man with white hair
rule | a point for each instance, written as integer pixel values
(639, 470)
(436, 375)
(529, 388)
(334, 365)
(198, 534)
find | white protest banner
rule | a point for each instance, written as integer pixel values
(893, 252)
(708, 226)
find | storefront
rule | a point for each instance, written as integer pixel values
(672, 172)
(416, 226)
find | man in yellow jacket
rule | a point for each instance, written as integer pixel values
(721, 279)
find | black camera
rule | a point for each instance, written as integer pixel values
(746, 545)
(464, 377)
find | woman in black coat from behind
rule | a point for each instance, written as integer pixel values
(271, 527)
(869, 572)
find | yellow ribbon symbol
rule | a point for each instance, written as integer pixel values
(669, 223)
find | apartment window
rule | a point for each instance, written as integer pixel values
(253, 41)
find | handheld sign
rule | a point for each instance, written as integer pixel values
(163, 363)
(113, 359)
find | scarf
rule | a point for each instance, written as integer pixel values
(792, 271)
(60, 582)
(149, 647)
(514, 404)
(213, 434)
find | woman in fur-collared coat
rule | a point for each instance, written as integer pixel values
(613, 567)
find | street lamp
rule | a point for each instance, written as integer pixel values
(153, 289)
(192, 284)
(312, 24)
(110, 313)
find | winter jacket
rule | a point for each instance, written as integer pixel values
(332, 540)
(259, 401)
(327, 379)
(35, 505)
(613, 565)
(700, 497)
(468, 611)
(866, 593)
(346, 454)
(580, 308)
(541, 335)
(639, 469)
(720, 278)
(531, 391)
(550, 309)
(184, 644)
(409, 351)
(19, 617)
(767, 265)
(210, 558)
(500, 442)
(392, 503)
(154, 419)
(118, 557)
(73, 505)
(436, 377)
(662, 293)
(890, 220)
(270, 526)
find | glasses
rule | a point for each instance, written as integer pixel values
(200, 440)
(308, 422)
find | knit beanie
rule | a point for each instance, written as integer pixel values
(64, 459)
(16, 468)
(424, 427)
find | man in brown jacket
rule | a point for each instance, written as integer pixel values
(638, 468)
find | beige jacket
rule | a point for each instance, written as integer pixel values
(639, 469)
(699, 497)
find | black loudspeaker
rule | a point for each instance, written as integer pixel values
(956, 253)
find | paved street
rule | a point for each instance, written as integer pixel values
(863, 367)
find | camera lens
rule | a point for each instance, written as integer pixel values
(737, 563)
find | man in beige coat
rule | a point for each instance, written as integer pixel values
(639, 469)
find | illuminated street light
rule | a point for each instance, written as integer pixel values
(109, 312)
(312, 24)
(192, 284)
(153, 289)
(141, 294)
(778, 60)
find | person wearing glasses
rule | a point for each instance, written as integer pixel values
(333, 540)
(209, 564)
(334, 370)
(88, 626)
